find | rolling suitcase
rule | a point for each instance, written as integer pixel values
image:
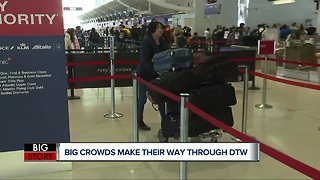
(172, 60)
(214, 99)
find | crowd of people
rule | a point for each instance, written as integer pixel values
(233, 32)
(178, 36)
(80, 39)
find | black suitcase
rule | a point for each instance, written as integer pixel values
(172, 59)
(214, 99)
(213, 71)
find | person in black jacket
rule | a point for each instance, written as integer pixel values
(152, 43)
(94, 39)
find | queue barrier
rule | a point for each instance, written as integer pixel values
(71, 74)
(264, 104)
(294, 62)
(281, 157)
(83, 69)
(113, 113)
(285, 81)
(97, 65)
(265, 77)
(289, 161)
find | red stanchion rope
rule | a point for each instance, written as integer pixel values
(214, 41)
(103, 62)
(277, 60)
(158, 89)
(91, 63)
(294, 62)
(285, 159)
(246, 59)
(98, 78)
(136, 62)
(294, 83)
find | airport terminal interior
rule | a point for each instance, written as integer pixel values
(291, 126)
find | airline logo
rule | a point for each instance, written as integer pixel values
(23, 46)
(41, 47)
(6, 48)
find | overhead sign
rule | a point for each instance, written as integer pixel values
(33, 98)
(72, 8)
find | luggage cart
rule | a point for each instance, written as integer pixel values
(214, 99)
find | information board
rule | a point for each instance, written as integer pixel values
(266, 47)
(33, 95)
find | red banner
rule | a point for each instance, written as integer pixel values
(31, 18)
(266, 47)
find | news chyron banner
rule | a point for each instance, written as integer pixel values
(33, 88)
(71, 152)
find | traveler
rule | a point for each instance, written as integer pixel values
(70, 39)
(152, 43)
(94, 39)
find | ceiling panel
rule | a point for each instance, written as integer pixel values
(140, 7)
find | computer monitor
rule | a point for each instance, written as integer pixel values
(213, 8)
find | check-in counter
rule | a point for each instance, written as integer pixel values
(235, 52)
(304, 51)
(300, 52)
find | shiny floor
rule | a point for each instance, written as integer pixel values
(291, 126)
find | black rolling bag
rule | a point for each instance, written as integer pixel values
(172, 60)
(211, 72)
(214, 99)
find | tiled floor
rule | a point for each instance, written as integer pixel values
(291, 127)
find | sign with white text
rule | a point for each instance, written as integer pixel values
(266, 47)
(33, 95)
(158, 152)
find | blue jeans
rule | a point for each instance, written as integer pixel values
(142, 99)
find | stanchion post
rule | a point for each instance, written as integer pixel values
(264, 104)
(285, 48)
(284, 56)
(71, 74)
(135, 108)
(184, 127)
(105, 42)
(108, 42)
(245, 100)
(253, 87)
(211, 46)
(113, 113)
(245, 103)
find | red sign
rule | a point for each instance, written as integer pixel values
(40, 156)
(31, 18)
(266, 47)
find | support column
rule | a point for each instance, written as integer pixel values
(243, 7)
(318, 18)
